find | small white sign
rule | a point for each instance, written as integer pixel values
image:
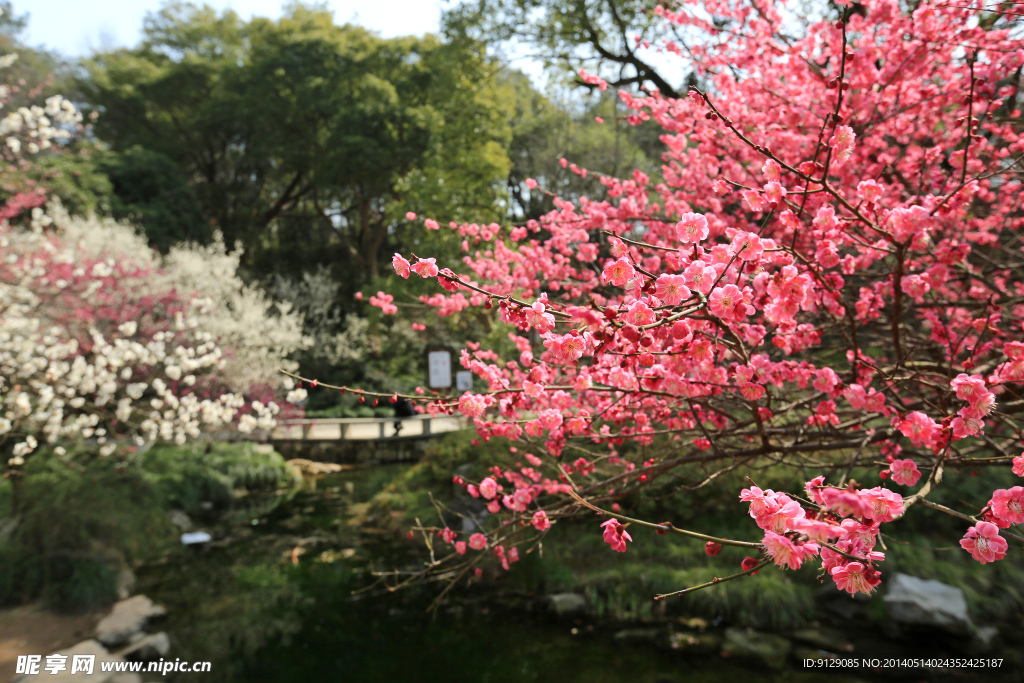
(464, 380)
(439, 369)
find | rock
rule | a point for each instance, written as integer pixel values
(86, 647)
(148, 648)
(180, 520)
(911, 601)
(465, 513)
(695, 643)
(694, 623)
(127, 618)
(125, 583)
(567, 604)
(984, 638)
(827, 639)
(136, 637)
(762, 648)
(8, 526)
(308, 471)
(642, 636)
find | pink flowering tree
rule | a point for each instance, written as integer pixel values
(826, 278)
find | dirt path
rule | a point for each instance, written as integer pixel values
(32, 630)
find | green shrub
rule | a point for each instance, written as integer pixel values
(186, 476)
(82, 523)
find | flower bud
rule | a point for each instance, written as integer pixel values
(712, 548)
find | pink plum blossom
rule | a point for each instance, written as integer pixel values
(1008, 504)
(905, 472)
(692, 228)
(984, 543)
(671, 289)
(477, 541)
(619, 272)
(540, 521)
(787, 553)
(855, 577)
(615, 535)
(425, 267)
(401, 265)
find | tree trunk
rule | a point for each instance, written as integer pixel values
(17, 479)
(372, 237)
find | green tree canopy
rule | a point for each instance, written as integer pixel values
(307, 140)
(599, 35)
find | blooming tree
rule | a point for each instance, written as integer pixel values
(827, 277)
(94, 346)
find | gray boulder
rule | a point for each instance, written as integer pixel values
(567, 604)
(127, 618)
(915, 602)
(763, 648)
(125, 583)
(180, 520)
(984, 638)
(148, 648)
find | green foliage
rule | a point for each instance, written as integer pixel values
(186, 476)
(620, 586)
(151, 191)
(86, 518)
(80, 525)
(412, 490)
(546, 129)
(73, 176)
(304, 139)
(568, 34)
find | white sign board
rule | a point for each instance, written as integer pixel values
(464, 380)
(439, 369)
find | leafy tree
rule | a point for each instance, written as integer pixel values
(568, 34)
(591, 134)
(150, 190)
(300, 137)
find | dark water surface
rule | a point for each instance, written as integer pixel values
(261, 612)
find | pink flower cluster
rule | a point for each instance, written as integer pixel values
(980, 402)
(846, 546)
(384, 302)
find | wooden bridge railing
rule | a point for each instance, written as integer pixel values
(366, 428)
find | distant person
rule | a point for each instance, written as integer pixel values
(403, 409)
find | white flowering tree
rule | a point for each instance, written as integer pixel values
(99, 342)
(104, 343)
